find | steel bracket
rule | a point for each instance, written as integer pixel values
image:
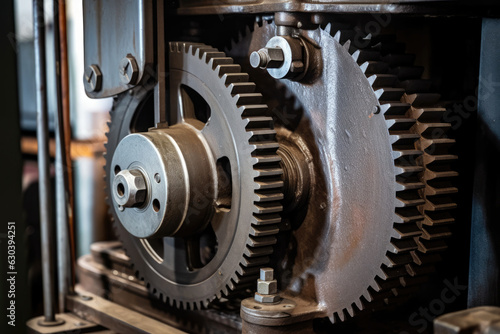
(116, 30)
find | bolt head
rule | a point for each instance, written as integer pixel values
(129, 188)
(266, 274)
(129, 71)
(267, 287)
(92, 78)
(266, 298)
(267, 58)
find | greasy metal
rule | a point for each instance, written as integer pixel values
(113, 30)
(45, 194)
(332, 245)
(245, 223)
(108, 273)
(92, 78)
(116, 317)
(480, 320)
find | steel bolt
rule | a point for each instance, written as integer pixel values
(92, 78)
(267, 58)
(267, 287)
(266, 274)
(129, 71)
(129, 188)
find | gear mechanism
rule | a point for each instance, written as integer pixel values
(375, 71)
(213, 188)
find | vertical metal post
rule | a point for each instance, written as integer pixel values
(64, 278)
(47, 238)
(160, 92)
(484, 265)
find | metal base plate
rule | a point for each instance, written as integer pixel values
(108, 273)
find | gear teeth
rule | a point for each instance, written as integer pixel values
(242, 88)
(227, 69)
(382, 80)
(328, 28)
(416, 85)
(231, 78)
(265, 208)
(347, 45)
(261, 241)
(263, 230)
(371, 67)
(337, 36)
(249, 98)
(214, 62)
(422, 99)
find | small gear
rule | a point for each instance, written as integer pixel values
(210, 94)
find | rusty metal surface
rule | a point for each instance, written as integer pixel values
(113, 30)
(478, 320)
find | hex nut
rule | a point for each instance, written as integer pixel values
(92, 78)
(266, 298)
(129, 188)
(267, 287)
(266, 274)
(267, 58)
(129, 71)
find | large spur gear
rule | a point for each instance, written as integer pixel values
(384, 158)
(220, 180)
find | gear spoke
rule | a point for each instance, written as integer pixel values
(212, 131)
(175, 254)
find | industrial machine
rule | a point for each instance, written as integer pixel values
(276, 166)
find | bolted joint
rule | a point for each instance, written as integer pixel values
(267, 58)
(266, 298)
(92, 78)
(267, 287)
(284, 57)
(129, 71)
(266, 274)
(129, 188)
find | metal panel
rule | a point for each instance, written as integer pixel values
(484, 268)
(116, 30)
(190, 7)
